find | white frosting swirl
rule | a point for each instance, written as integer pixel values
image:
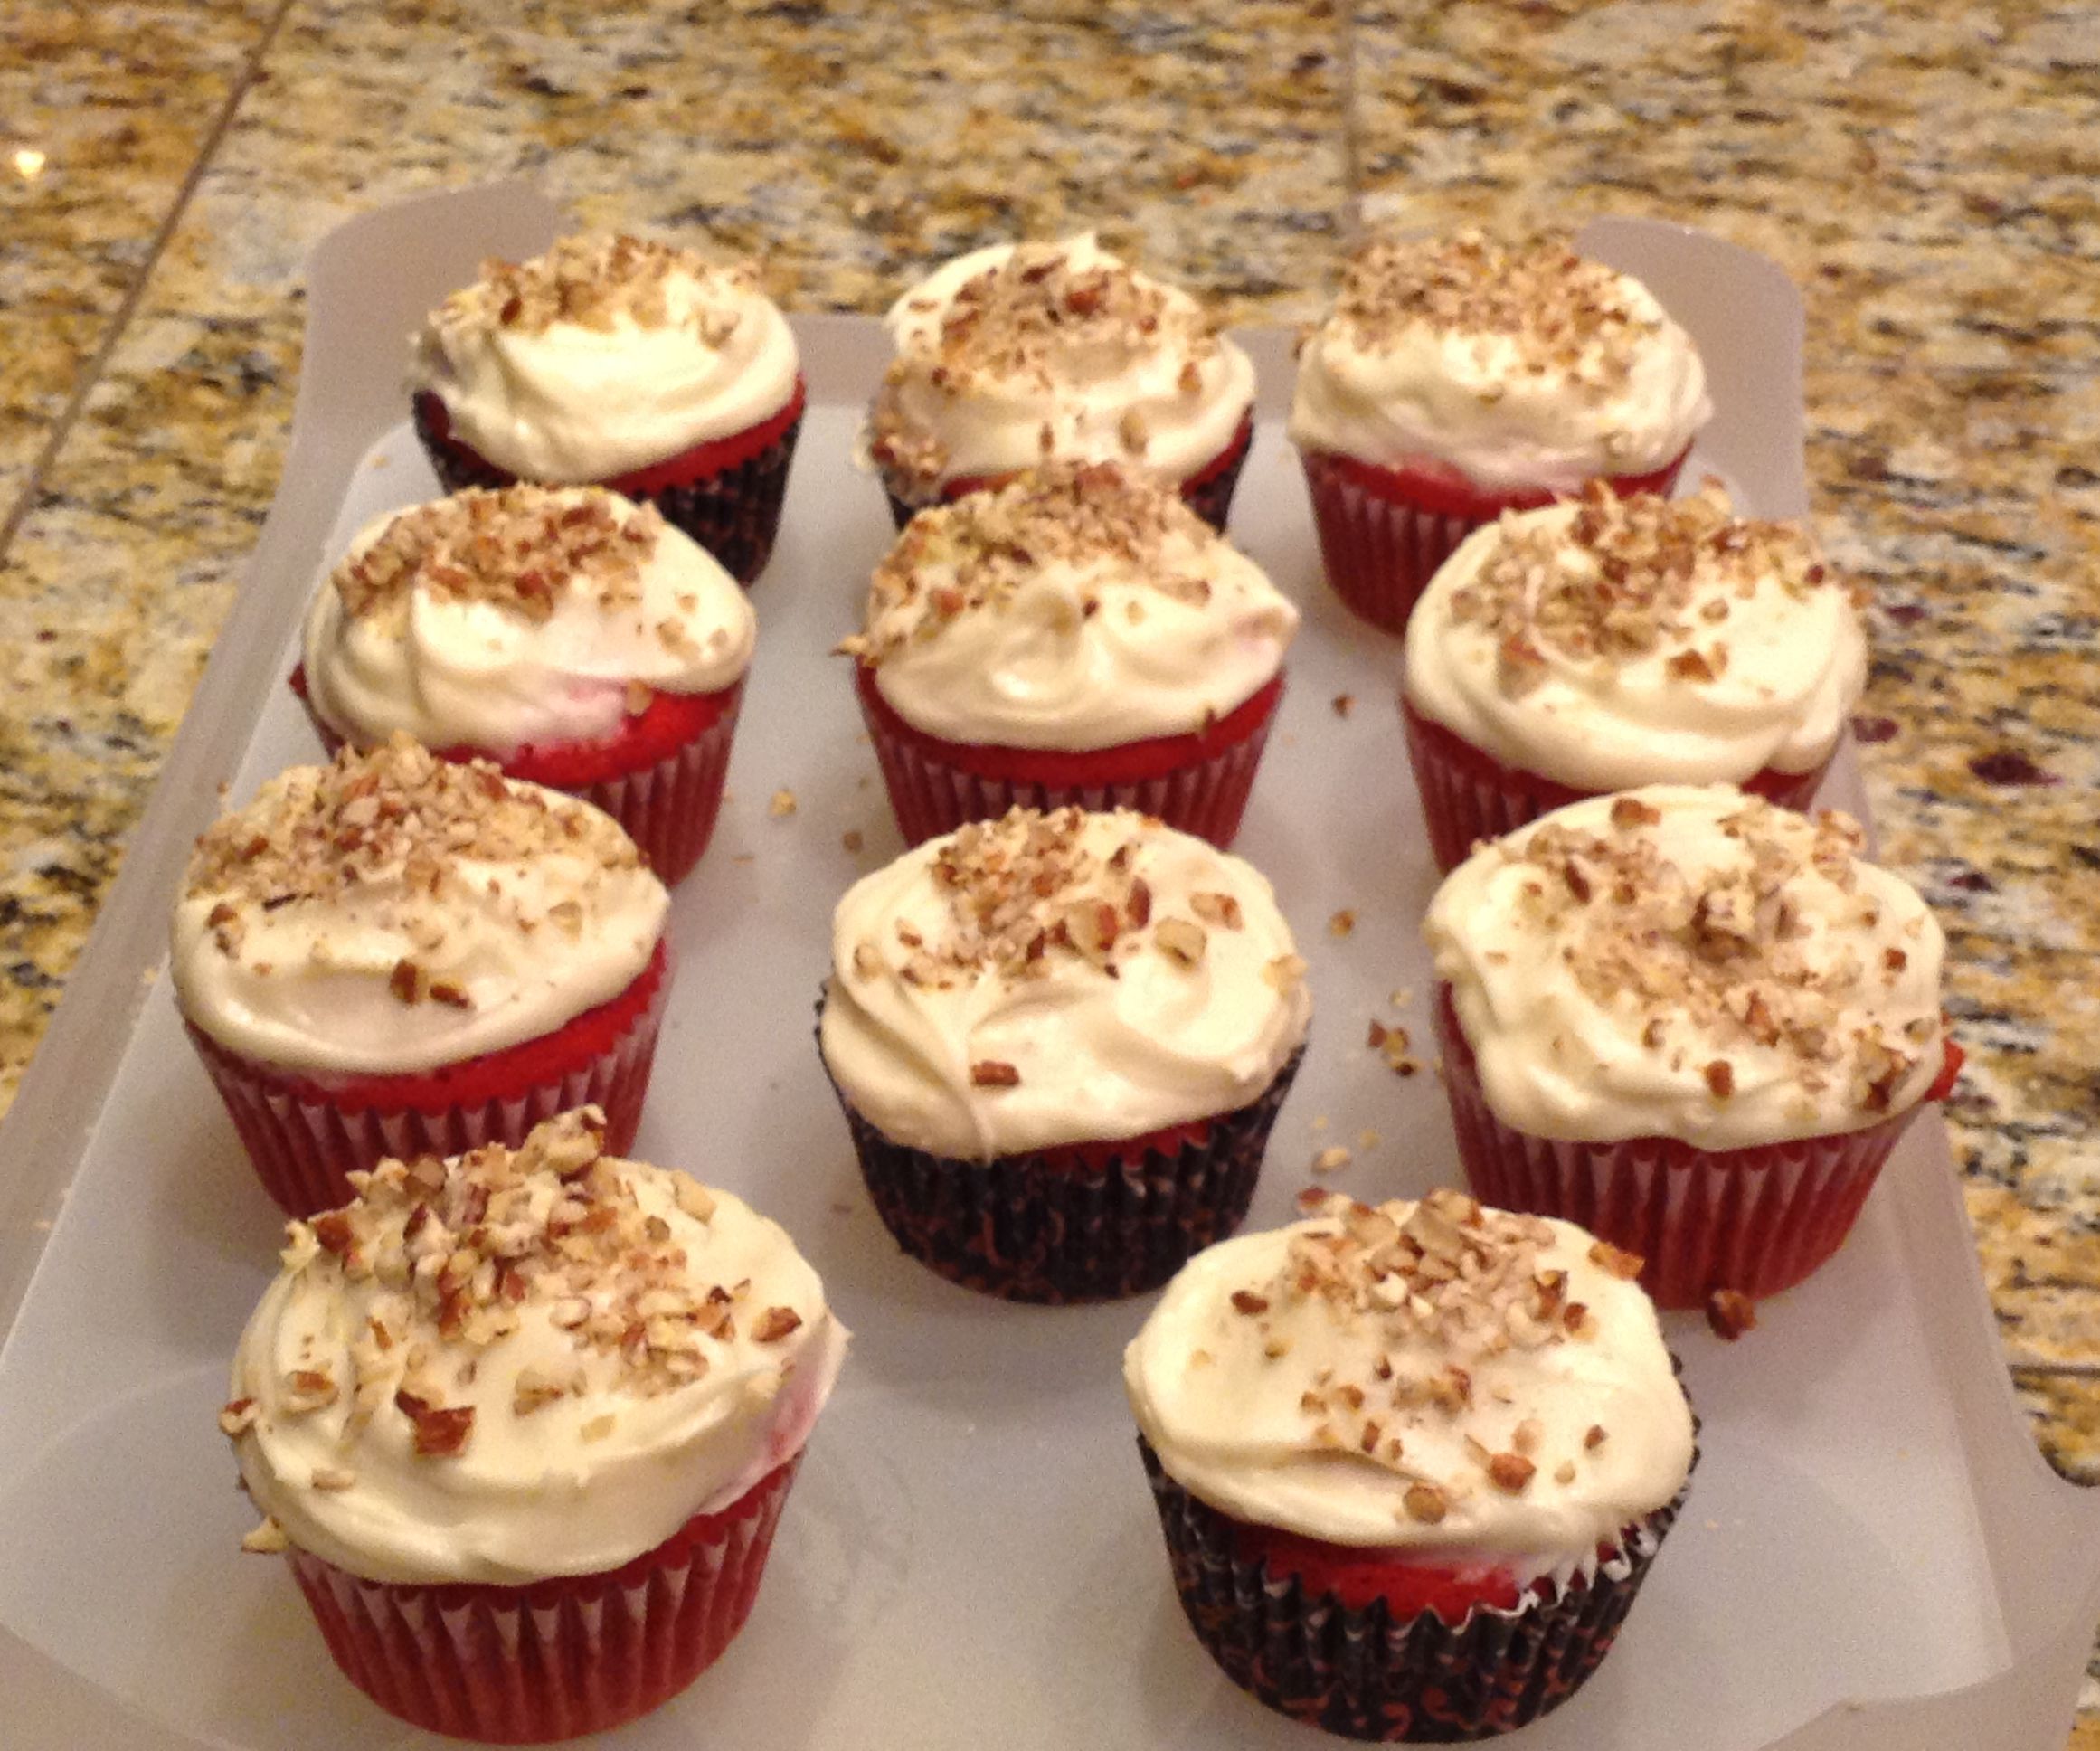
(514, 910)
(1081, 609)
(1279, 1439)
(908, 1031)
(1022, 353)
(1512, 405)
(1727, 972)
(625, 354)
(1755, 662)
(459, 668)
(572, 1465)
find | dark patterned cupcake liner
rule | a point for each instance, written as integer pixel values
(1357, 1671)
(1468, 796)
(1090, 1223)
(1209, 491)
(732, 511)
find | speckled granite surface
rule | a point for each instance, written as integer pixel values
(1927, 175)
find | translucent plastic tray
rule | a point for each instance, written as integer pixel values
(1873, 1558)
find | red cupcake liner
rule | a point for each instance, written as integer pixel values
(1366, 1673)
(1088, 1222)
(1468, 796)
(1384, 532)
(726, 493)
(527, 1665)
(1198, 782)
(1756, 1220)
(1209, 490)
(306, 1137)
(668, 807)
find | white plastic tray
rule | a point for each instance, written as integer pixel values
(1873, 1556)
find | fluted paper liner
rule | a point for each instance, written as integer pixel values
(527, 1665)
(1087, 1223)
(1753, 1220)
(305, 1146)
(726, 494)
(1209, 491)
(1468, 796)
(936, 786)
(1380, 547)
(1361, 1672)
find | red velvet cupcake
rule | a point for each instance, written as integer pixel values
(1694, 1022)
(1029, 353)
(1608, 643)
(1411, 1461)
(623, 363)
(1061, 1042)
(392, 955)
(1458, 380)
(1078, 637)
(569, 636)
(514, 1519)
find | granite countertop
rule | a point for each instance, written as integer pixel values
(1927, 176)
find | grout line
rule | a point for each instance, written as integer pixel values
(135, 294)
(1352, 153)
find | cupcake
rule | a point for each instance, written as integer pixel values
(570, 635)
(1027, 352)
(1692, 1021)
(1607, 643)
(395, 955)
(1076, 637)
(623, 363)
(522, 1421)
(1061, 1041)
(1413, 1461)
(1460, 379)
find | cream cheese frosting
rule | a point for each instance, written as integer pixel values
(604, 355)
(390, 913)
(1027, 352)
(1430, 1375)
(1082, 606)
(514, 1365)
(1523, 368)
(1689, 962)
(1045, 979)
(1611, 643)
(537, 616)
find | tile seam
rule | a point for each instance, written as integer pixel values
(92, 373)
(1351, 130)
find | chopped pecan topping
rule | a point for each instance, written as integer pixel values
(1731, 1313)
(776, 1324)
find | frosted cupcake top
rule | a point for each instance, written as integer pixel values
(1690, 962)
(1044, 979)
(604, 355)
(1520, 366)
(1611, 642)
(391, 911)
(531, 616)
(1082, 606)
(517, 1364)
(1024, 353)
(1434, 1376)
